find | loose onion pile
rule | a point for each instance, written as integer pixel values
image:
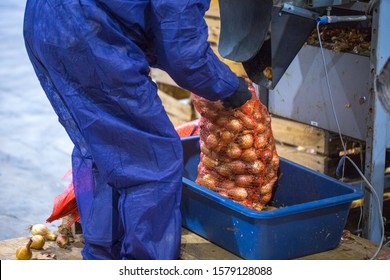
(238, 156)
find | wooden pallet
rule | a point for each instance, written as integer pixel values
(313, 147)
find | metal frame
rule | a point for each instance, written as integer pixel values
(378, 122)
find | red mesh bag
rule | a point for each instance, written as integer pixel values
(238, 157)
(188, 129)
(65, 205)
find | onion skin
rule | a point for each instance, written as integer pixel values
(227, 184)
(256, 167)
(208, 162)
(234, 125)
(249, 155)
(211, 141)
(209, 181)
(24, 252)
(237, 167)
(223, 170)
(238, 194)
(39, 229)
(62, 240)
(244, 180)
(51, 236)
(246, 141)
(226, 136)
(233, 151)
(38, 241)
(246, 120)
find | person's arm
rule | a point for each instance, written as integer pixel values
(180, 45)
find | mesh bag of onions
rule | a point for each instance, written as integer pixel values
(238, 157)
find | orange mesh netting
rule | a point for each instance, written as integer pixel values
(188, 129)
(238, 156)
(65, 204)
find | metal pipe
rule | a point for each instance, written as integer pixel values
(333, 19)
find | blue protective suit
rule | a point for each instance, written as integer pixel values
(93, 60)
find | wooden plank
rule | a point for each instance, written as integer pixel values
(297, 134)
(313, 161)
(72, 252)
(160, 76)
(194, 247)
(213, 11)
(178, 112)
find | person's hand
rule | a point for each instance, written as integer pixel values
(239, 97)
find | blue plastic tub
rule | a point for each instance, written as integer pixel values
(311, 215)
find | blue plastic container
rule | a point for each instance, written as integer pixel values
(312, 214)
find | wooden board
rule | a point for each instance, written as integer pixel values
(194, 247)
(178, 112)
(213, 11)
(312, 161)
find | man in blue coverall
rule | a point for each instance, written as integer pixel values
(93, 60)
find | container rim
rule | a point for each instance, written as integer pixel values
(280, 212)
(355, 194)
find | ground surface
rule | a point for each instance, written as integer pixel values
(34, 148)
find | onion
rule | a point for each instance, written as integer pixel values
(267, 155)
(208, 162)
(226, 136)
(227, 184)
(256, 167)
(243, 180)
(38, 241)
(261, 141)
(211, 141)
(204, 149)
(260, 127)
(245, 141)
(248, 107)
(24, 252)
(268, 187)
(209, 181)
(62, 240)
(264, 199)
(275, 160)
(249, 155)
(233, 151)
(237, 167)
(223, 170)
(238, 194)
(247, 121)
(51, 236)
(234, 125)
(39, 229)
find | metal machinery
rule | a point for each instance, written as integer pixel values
(270, 35)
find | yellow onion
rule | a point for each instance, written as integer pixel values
(246, 141)
(41, 229)
(38, 241)
(24, 252)
(233, 151)
(51, 236)
(238, 194)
